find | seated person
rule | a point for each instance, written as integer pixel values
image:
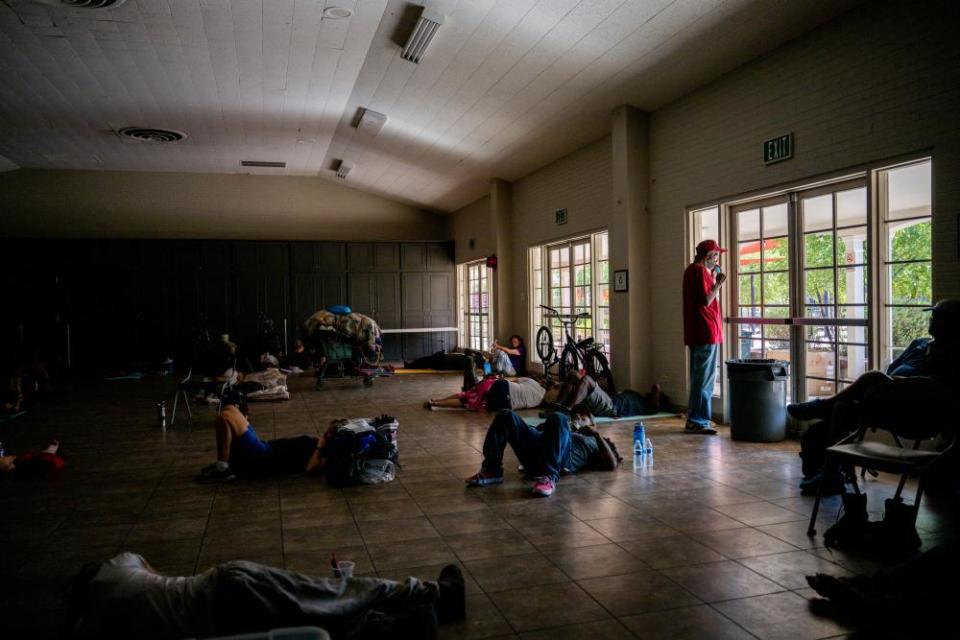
(580, 388)
(544, 451)
(510, 361)
(125, 597)
(267, 340)
(240, 451)
(922, 378)
(493, 394)
(34, 463)
(298, 358)
(13, 396)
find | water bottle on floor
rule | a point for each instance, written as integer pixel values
(648, 451)
(639, 440)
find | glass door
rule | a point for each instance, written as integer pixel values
(801, 270)
(761, 278)
(836, 287)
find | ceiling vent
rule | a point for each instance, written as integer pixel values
(146, 134)
(83, 4)
(422, 35)
(343, 169)
(263, 163)
(371, 122)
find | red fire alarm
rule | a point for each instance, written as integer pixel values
(492, 261)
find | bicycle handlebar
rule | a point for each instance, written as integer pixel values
(583, 315)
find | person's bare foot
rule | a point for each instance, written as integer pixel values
(53, 447)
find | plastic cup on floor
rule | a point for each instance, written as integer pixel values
(346, 568)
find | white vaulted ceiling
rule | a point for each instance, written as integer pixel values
(506, 87)
(244, 79)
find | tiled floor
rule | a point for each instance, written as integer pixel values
(708, 542)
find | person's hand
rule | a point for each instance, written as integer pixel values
(721, 278)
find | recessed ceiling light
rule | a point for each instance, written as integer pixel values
(337, 13)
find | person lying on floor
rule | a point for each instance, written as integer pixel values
(580, 388)
(444, 361)
(125, 597)
(914, 599)
(923, 378)
(34, 463)
(494, 394)
(240, 451)
(545, 451)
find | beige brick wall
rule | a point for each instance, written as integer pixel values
(128, 204)
(877, 84)
(472, 222)
(582, 183)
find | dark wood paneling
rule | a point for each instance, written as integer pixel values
(129, 300)
(360, 256)
(413, 256)
(386, 256)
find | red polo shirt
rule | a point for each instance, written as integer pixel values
(702, 322)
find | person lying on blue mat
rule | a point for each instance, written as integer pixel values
(580, 388)
(545, 451)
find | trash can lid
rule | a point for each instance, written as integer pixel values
(756, 363)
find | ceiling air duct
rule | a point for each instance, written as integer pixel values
(422, 35)
(343, 168)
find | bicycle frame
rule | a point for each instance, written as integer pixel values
(568, 321)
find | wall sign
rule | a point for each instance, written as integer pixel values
(560, 216)
(778, 149)
(620, 280)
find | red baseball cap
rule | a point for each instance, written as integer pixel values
(707, 246)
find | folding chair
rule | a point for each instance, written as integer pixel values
(183, 387)
(852, 450)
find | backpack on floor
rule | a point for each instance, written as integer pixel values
(360, 443)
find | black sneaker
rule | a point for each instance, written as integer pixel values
(212, 474)
(451, 604)
(694, 428)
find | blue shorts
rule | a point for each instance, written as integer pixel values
(250, 454)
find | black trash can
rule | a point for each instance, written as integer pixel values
(758, 399)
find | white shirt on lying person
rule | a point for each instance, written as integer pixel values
(127, 594)
(525, 393)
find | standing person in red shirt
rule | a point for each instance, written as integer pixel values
(702, 332)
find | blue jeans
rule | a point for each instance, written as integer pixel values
(703, 373)
(540, 452)
(501, 364)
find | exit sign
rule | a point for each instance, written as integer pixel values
(778, 149)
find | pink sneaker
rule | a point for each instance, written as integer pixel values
(543, 486)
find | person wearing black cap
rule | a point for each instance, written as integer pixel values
(917, 385)
(702, 332)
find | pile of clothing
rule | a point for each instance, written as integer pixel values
(263, 386)
(363, 330)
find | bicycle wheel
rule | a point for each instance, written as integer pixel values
(545, 350)
(569, 361)
(599, 370)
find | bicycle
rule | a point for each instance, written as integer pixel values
(586, 352)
